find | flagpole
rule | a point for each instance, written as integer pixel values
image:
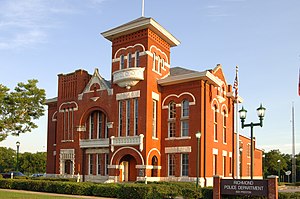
(237, 148)
(293, 146)
(143, 8)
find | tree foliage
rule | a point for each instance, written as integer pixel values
(19, 108)
(33, 162)
(7, 159)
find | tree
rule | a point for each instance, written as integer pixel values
(7, 159)
(272, 165)
(33, 162)
(20, 108)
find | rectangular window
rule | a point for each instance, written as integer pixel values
(127, 117)
(91, 165)
(248, 169)
(184, 164)
(230, 166)
(100, 124)
(137, 59)
(215, 124)
(120, 118)
(136, 115)
(215, 166)
(172, 129)
(122, 62)
(248, 150)
(154, 119)
(185, 128)
(106, 164)
(224, 166)
(91, 133)
(171, 164)
(129, 58)
(224, 129)
(98, 164)
(106, 128)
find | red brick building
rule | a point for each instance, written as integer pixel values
(143, 122)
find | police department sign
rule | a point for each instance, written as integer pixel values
(244, 187)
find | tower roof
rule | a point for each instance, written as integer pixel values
(139, 24)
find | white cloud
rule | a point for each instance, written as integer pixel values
(25, 23)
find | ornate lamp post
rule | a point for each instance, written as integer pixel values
(198, 136)
(261, 113)
(278, 170)
(18, 147)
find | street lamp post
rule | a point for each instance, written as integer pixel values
(18, 147)
(278, 170)
(261, 114)
(198, 136)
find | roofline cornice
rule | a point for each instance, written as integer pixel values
(205, 75)
(139, 25)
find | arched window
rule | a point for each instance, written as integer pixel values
(122, 62)
(172, 119)
(154, 163)
(163, 63)
(185, 118)
(137, 58)
(158, 64)
(97, 126)
(224, 127)
(215, 123)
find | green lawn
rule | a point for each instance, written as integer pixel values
(20, 195)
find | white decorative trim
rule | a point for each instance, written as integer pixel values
(179, 138)
(53, 117)
(224, 107)
(94, 151)
(230, 154)
(179, 149)
(178, 96)
(148, 155)
(215, 151)
(128, 48)
(128, 95)
(68, 103)
(153, 46)
(110, 125)
(139, 25)
(127, 147)
(224, 153)
(215, 102)
(155, 96)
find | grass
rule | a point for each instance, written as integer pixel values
(7, 194)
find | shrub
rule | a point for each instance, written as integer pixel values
(130, 191)
(106, 190)
(191, 193)
(207, 192)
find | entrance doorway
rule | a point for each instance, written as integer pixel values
(128, 170)
(68, 167)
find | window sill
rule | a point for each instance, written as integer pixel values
(178, 138)
(67, 141)
(154, 138)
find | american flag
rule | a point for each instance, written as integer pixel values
(236, 82)
(299, 83)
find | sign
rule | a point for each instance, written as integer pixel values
(244, 187)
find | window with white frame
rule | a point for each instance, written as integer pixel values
(129, 60)
(91, 164)
(230, 165)
(122, 66)
(154, 118)
(98, 164)
(171, 164)
(120, 117)
(158, 64)
(127, 117)
(185, 118)
(137, 58)
(215, 164)
(224, 166)
(106, 164)
(215, 123)
(184, 164)
(92, 126)
(172, 119)
(163, 63)
(248, 150)
(224, 127)
(136, 115)
(154, 62)
(100, 124)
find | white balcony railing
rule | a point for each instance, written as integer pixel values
(128, 77)
(89, 143)
(127, 141)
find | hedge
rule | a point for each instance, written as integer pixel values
(123, 191)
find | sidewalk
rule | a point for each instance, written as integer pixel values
(53, 194)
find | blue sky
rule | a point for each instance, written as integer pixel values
(42, 38)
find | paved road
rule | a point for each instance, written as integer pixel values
(53, 194)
